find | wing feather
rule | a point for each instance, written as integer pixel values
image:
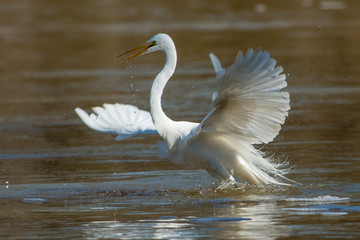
(121, 119)
(219, 70)
(249, 100)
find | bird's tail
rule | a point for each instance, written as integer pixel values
(261, 169)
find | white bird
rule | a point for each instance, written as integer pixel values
(248, 108)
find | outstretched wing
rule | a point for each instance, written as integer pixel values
(249, 101)
(121, 119)
(248, 109)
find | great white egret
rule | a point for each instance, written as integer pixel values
(248, 108)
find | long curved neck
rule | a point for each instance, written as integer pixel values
(161, 121)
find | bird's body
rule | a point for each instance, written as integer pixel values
(247, 108)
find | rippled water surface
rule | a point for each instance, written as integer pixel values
(61, 180)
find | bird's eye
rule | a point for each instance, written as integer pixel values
(152, 44)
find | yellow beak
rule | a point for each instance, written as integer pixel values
(137, 51)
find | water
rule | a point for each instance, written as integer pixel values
(60, 180)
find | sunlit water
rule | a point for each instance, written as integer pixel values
(59, 179)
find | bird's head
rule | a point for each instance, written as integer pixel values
(156, 43)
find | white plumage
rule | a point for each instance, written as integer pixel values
(121, 119)
(248, 108)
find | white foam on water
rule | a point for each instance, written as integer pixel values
(316, 210)
(321, 205)
(326, 198)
